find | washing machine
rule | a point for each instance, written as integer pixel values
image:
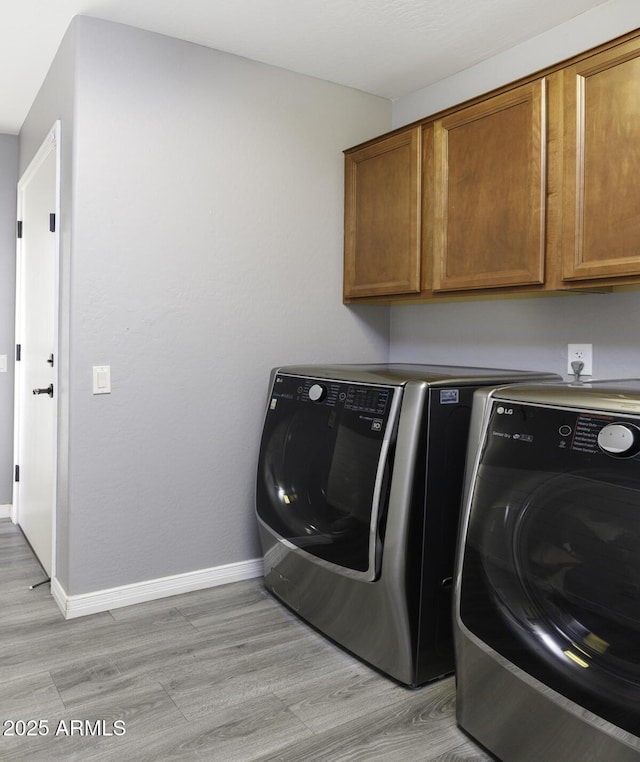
(357, 499)
(547, 593)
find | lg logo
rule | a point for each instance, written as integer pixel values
(504, 410)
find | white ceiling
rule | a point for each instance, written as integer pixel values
(386, 47)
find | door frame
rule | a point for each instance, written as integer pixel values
(51, 143)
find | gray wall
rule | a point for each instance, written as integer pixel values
(531, 334)
(205, 247)
(8, 182)
(522, 333)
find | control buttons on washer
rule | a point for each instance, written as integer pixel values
(619, 439)
(564, 431)
(317, 392)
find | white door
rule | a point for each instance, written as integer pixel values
(36, 340)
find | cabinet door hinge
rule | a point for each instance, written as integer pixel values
(52, 223)
(18, 352)
(17, 473)
(19, 226)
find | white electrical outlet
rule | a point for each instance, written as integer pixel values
(583, 353)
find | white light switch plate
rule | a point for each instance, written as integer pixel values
(102, 379)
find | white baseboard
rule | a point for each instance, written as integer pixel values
(5, 511)
(73, 606)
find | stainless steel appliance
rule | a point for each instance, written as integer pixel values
(547, 600)
(358, 494)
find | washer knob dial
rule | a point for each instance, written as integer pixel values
(317, 392)
(619, 439)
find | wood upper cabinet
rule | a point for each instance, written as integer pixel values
(602, 165)
(382, 217)
(535, 188)
(490, 192)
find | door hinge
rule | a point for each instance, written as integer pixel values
(18, 352)
(17, 474)
(19, 228)
(52, 223)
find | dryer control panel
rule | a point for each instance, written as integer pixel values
(547, 431)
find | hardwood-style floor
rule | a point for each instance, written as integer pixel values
(225, 674)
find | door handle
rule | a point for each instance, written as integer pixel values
(48, 390)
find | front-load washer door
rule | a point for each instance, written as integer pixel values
(551, 564)
(324, 469)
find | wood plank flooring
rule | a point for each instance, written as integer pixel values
(225, 675)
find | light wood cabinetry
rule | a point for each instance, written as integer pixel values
(602, 165)
(532, 189)
(490, 188)
(382, 217)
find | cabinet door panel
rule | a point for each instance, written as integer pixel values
(382, 217)
(602, 165)
(490, 193)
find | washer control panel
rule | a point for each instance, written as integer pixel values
(360, 398)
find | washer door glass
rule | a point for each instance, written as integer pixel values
(576, 550)
(323, 471)
(558, 560)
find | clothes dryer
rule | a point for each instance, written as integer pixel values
(547, 598)
(358, 496)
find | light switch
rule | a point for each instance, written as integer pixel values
(102, 379)
(3, 363)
